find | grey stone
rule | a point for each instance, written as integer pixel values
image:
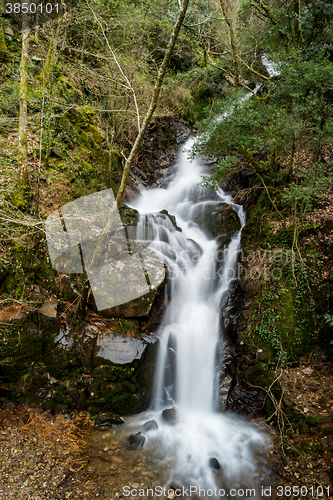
(223, 392)
(135, 441)
(151, 425)
(171, 415)
(214, 463)
(106, 420)
(118, 349)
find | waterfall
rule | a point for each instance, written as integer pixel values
(186, 368)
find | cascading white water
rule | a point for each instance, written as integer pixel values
(189, 335)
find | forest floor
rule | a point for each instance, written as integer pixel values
(45, 456)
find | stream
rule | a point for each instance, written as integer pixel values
(208, 449)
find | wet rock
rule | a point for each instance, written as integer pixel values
(106, 420)
(129, 216)
(231, 313)
(118, 349)
(243, 400)
(176, 488)
(171, 415)
(172, 218)
(151, 425)
(223, 392)
(214, 463)
(218, 219)
(240, 180)
(130, 282)
(158, 151)
(63, 340)
(135, 441)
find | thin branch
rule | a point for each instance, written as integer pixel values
(118, 65)
(253, 70)
(201, 22)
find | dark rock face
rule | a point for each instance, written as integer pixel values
(135, 441)
(158, 150)
(245, 401)
(218, 220)
(106, 366)
(238, 182)
(172, 218)
(171, 416)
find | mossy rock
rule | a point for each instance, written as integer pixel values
(217, 219)
(128, 215)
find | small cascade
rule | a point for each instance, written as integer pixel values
(186, 368)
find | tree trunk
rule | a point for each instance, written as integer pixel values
(229, 19)
(51, 57)
(3, 46)
(153, 103)
(297, 23)
(23, 176)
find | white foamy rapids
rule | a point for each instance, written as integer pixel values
(186, 368)
(273, 69)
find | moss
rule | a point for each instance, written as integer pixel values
(315, 420)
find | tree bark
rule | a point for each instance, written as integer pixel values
(297, 23)
(233, 42)
(23, 175)
(264, 10)
(3, 46)
(51, 57)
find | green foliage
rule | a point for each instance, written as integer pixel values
(328, 319)
(273, 135)
(285, 315)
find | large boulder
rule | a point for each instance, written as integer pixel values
(218, 220)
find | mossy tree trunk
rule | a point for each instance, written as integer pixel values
(229, 12)
(297, 21)
(153, 104)
(23, 175)
(51, 57)
(3, 46)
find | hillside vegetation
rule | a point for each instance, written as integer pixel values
(90, 78)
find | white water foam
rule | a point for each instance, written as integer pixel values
(186, 368)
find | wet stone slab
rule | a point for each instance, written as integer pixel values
(118, 349)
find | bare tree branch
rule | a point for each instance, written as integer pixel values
(118, 65)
